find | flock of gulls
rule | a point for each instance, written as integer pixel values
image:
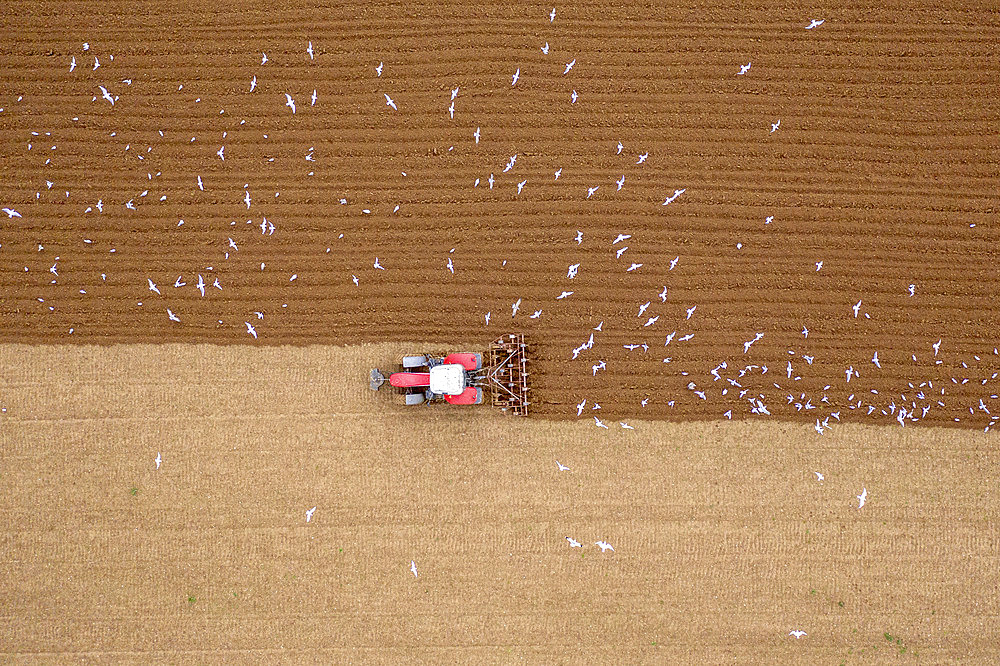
(652, 326)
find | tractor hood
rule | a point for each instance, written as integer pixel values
(448, 379)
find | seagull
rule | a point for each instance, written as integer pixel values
(652, 320)
(378, 265)
(625, 426)
(72, 65)
(633, 267)
(857, 306)
(263, 60)
(515, 307)
(768, 219)
(354, 278)
(669, 338)
(490, 181)
(516, 75)
(813, 23)
(11, 213)
(604, 546)
(642, 308)
(911, 289)
(691, 310)
(201, 186)
(451, 110)
(536, 314)
(744, 69)
(558, 173)
(579, 237)
(289, 102)
(106, 95)
(676, 194)
(488, 318)
(545, 49)
(674, 262)
(253, 83)
(309, 50)
(251, 330)
(378, 70)
(620, 146)
(389, 102)
(574, 97)
(621, 237)
(476, 134)
(569, 66)
(663, 294)
(573, 543)
(222, 153)
(620, 182)
(599, 423)
(201, 285)
(451, 266)
(153, 287)
(562, 468)
(936, 347)
(178, 282)
(819, 265)
(774, 126)
(805, 332)
(597, 366)
(309, 514)
(571, 273)
(158, 460)
(579, 408)
(246, 198)
(819, 477)
(875, 361)
(454, 92)
(797, 634)
(313, 98)
(232, 244)
(171, 315)
(552, 16)
(564, 295)
(413, 568)
(862, 497)
(521, 185)
(598, 327)
(642, 158)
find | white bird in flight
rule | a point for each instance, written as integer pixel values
(72, 65)
(569, 66)
(862, 497)
(676, 194)
(515, 307)
(573, 269)
(573, 97)
(201, 186)
(642, 158)
(171, 315)
(11, 213)
(545, 49)
(663, 294)
(263, 59)
(451, 110)
(451, 266)
(232, 244)
(201, 285)
(744, 69)
(516, 75)
(633, 267)
(774, 126)
(313, 98)
(621, 251)
(536, 314)
(579, 408)
(625, 426)
(378, 70)
(604, 546)
(936, 346)
(797, 634)
(562, 468)
(573, 543)
(309, 514)
(309, 50)
(521, 185)
(389, 102)
(221, 152)
(253, 83)
(599, 423)
(591, 190)
(106, 95)
(819, 477)
(153, 287)
(558, 173)
(620, 238)
(289, 102)
(378, 265)
(564, 295)
(579, 237)
(813, 23)
(620, 146)
(652, 320)
(875, 361)
(552, 16)
(476, 134)
(251, 330)
(158, 460)
(620, 182)
(454, 92)
(819, 265)
(413, 568)
(643, 307)
(857, 306)
(691, 310)
(674, 262)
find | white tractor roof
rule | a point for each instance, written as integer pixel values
(448, 379)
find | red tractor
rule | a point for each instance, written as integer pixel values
(459, 378)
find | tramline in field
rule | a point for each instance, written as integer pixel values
(460, 378)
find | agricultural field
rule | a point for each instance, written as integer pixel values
(754, 250)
